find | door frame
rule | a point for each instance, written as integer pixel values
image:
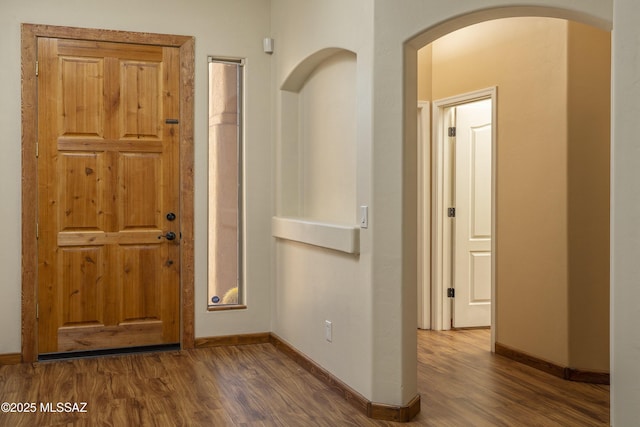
(441, 245)
(424, 215)
(30, 34)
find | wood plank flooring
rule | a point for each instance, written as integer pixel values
(461, 383)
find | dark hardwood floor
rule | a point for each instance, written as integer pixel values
(460, 381)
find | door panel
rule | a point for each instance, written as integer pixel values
(140, 207)
(81, 281)
(81, 101)
(107, 176)
(480, 277)
(140, 88)
(472, 230)
(79, 190)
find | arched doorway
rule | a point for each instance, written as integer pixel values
(574, 252)
(540, 77)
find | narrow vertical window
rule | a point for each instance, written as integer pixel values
(225, 183)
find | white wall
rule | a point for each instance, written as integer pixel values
(221, 27)
(321, 151)
(625, 216)
(327, 126)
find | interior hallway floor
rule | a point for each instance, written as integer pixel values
(460, 382)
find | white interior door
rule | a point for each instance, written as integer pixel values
(472, 222)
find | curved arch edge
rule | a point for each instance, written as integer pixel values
(296, 78)
(463, 20)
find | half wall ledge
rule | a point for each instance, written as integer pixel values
(339, 237)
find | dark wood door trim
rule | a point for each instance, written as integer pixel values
(30, 34)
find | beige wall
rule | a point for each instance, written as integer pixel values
(539, 199)
(425, 79)
(589, 107)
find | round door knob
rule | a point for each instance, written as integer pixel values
(171, 216)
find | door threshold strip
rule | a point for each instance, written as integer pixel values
(108, 352)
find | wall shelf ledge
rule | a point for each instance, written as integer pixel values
(339, 237)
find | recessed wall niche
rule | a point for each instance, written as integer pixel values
(317, 156)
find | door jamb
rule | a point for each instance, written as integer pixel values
(424, 216)
(441, 241)
(29, 36)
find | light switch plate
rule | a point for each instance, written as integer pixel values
(364, 216)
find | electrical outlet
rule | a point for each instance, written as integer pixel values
(328, 331)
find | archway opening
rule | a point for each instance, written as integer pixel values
(551, 210)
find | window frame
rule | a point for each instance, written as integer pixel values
(241, 299)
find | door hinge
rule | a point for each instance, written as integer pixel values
(451, 212)
(37, 149)
(37, 231)
(37, 69)
(37, 311)
(451, 131)
(451, 293)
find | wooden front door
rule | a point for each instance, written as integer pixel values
(108, 195)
